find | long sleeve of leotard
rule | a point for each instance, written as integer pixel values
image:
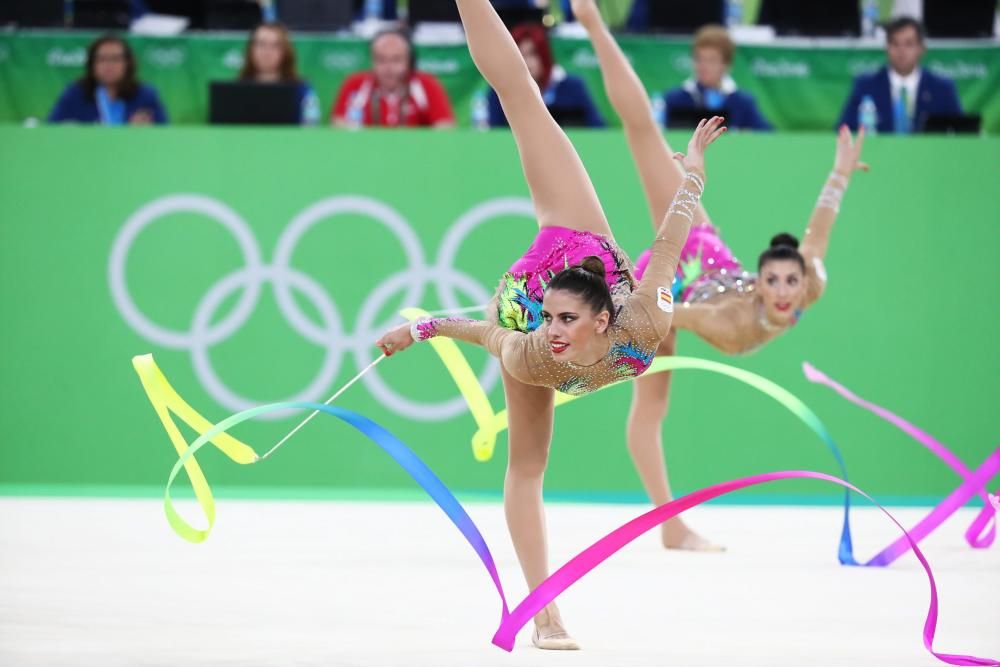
(817, 236)
(510, 347)
(654, 295)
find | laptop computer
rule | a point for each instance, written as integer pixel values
(569, 116)
(316, 15)
(251, 103)
(687, 118)
(684, 17)
(433, 11)
(953, 124)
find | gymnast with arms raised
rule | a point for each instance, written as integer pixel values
(733, 310)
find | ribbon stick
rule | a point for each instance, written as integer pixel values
(163, 397)
(982, 532)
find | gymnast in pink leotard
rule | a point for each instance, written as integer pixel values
(718, 299)
(558, 321)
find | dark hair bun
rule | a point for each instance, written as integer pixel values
(593, 264)
(784, 239)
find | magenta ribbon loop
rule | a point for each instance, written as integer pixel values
(982, 532)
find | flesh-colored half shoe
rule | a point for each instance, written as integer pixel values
(557, 641)
(694, 542)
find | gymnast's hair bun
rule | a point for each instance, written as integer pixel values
(593, 264)
(784, 239)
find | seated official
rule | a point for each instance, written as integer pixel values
(904, 94)
(712, 89)
(109, 93)
(565, 96)
(270, 58)
(393, 93)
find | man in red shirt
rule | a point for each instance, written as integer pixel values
(393, 93)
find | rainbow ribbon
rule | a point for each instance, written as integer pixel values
(166, 400)
(491, 423)
(982, 531)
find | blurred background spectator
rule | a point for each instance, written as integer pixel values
(566, 96)
(393, 93)
(711, 90)
(270, 58)
(109, 92)
(900, 96)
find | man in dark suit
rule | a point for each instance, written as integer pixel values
(903, 93)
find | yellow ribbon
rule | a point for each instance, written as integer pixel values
(165, 401)
(490, 423)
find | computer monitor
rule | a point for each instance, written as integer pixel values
(684, 16)
(33, 13)
(192, 10)
(252, 103)
(433, 11)
(316, 15)
(231, 15)
(518, 15)
(686, 118)
(959, 18)
(569, 116)
(953, 124)
(101, 14)
(830, 18)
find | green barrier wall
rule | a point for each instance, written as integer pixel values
(798, 88)
(909, 319)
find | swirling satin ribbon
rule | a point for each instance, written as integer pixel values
(165, 400)
(977, 535)
(491, 423)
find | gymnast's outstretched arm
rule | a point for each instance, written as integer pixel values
(817, 236)
(673, 232)
(659, 173)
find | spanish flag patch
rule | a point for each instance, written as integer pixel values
(665, 299)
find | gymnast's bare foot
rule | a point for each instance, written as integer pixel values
(550, 634)
(676, 535)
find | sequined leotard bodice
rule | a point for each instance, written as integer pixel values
(641, 323)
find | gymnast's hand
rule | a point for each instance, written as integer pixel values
(706, 132)
(848, 159)
(586, 12)
(395, 340)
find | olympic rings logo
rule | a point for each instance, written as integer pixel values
(329, 333)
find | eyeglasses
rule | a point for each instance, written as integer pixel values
(110, 58)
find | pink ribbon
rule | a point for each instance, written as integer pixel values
(982, 531)
(597, 553)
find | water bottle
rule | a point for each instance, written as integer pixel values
(734, 13)
(268, 12)
(480, 111)
(310, 109)
(868, 115)
(869, 18)
(68, 13)
(355, 114)
(373, 10)
(659, 110)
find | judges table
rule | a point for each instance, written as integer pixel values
(800, 84)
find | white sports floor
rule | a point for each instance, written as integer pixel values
(105, 582)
